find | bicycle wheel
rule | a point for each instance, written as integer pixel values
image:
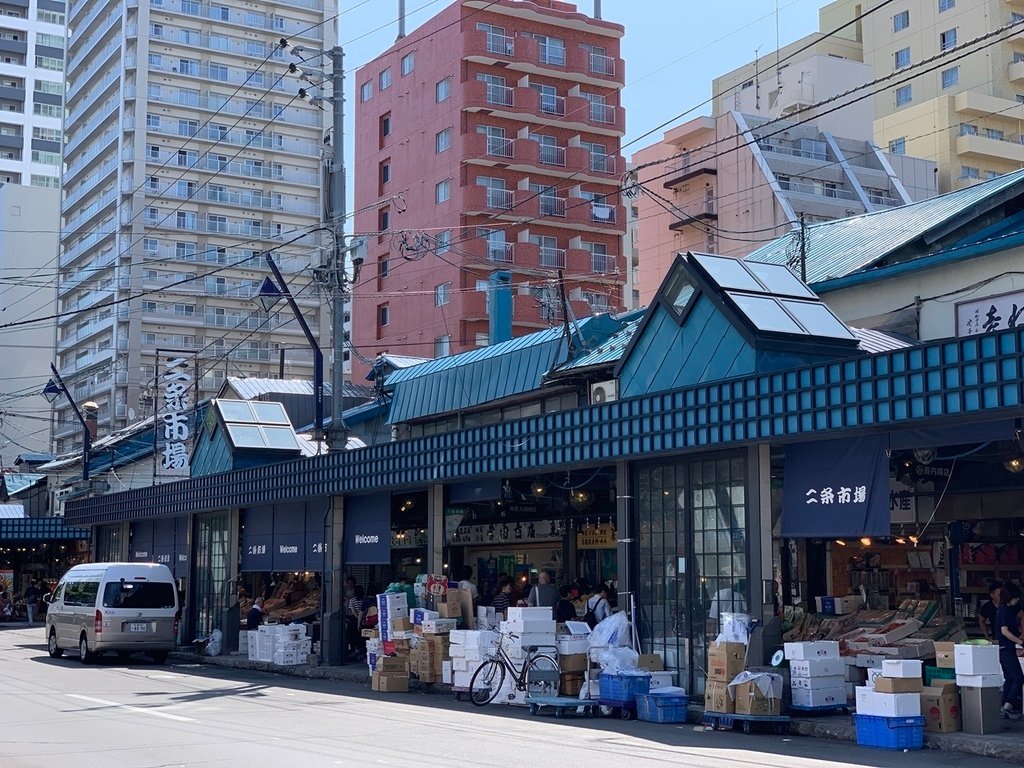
(543, 677)
(486, 682)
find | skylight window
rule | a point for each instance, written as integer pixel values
(254, 424)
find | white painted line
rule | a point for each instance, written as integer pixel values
(140, 710)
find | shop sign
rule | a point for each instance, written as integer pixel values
(141, 549)
(315, 538)
(437, 585)
(289, 549)
(508, 532)
(995, 313)
(601, 537)
(902, 502)
(258, 539)
(175, 414)
(836, 488)
(368, 530)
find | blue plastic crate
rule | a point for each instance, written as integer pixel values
(623, 688)
(890, 732)
(656, 708)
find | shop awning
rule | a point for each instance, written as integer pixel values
(836, 488)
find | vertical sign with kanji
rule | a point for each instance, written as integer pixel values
(176, 385)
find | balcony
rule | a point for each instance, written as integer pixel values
(86, 160)
(1008, 149)
(234, 168)
(777, 148)
(552, 258)
(221, 15)
(980, 105)
(88, 186)
(602, 113)
(527, 54)
(602, 212)
(1015, 71)
(499, 95)
(818, 190)
(500, 252)
(551, 205)
(499, 199)
(529, 105)
(499, 146)
(550, 154)
(601, 65)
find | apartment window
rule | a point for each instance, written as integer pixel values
(152, 151)
(53, 41)
(46, 158)
(49, 182)
(408, 63)
(443, 90)
(218, 72)
(442, 294)
(992, 175)
(995, 133)
(947, 39)
(385, 125)
(385, 79)
(904, 95)
(443, 140)
(188, 128)
(969, 172)
(950, 77)
(49, 86)
(50, 62)
(1018, 57)
(188, 66)
(184, 189)
(385, 172)
(443, 242)
(901, 21)
(383, 315)
(898, 146)
(186, 220)
(946, 5)
(442, 191)
(366, 91)
(50, 17)
(46, 110)
(153, 122)
(1020, 98)
(150, 245)
(383, 220)
(185, 251)
(483, 339)
(902, 58)
(156, 30)
(384, 267)
(442, 346)
(552, 50)
(968, 129)
(46, 134)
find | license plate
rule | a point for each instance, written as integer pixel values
(138, 627)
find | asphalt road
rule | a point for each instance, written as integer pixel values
(57, 713)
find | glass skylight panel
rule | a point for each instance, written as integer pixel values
(729, 273)
(281, 438)
(818, 319)
(270, 413)
(245, 436)
(236, 411)
(766, 314)
(679, 291)
(779, 281)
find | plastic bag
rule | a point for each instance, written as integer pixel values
(215, 644)
(613, 631)
(619, 660)
(735, 628)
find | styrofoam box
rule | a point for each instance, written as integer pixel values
(446, 672)
(872, 674)
(903, 668)
(461, 636)
(462, 679)
(817, 683)
(817, 667)
(976, 659)
(533, 626)
(869, 660)
(819, 697)
(819, 649)
(662, 679)
(980, 681)
(856, 675)
(871, 702)
(565, 646)
(459, 664)
(541, 639)
(528, 614)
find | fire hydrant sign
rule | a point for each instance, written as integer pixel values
(175, 412)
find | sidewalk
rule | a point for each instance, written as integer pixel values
(1008, 745)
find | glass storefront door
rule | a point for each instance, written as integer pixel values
(211, 573)
(692, 558)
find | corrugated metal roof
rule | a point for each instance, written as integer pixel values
(16, 482)
(250, 389)
(11, 511)
(838, 248)
(872, 341)
(606, 353)
(33, 458)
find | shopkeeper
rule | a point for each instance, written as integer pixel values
(1008, 630)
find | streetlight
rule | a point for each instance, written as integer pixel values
(55, 389)
(269, 294)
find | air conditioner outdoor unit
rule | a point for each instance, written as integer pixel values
(604, 391)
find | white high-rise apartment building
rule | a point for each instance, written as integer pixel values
(188, 153)
(31, 91)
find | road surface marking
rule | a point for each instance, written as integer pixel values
(131, 708)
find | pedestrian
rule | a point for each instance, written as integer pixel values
(564, 609)
(1008, 631)
(32, 595)
(503, 597)
(544, 594)
(255, 617)
(598, 608)
(353, 614)
(467, 584)
(987, 611)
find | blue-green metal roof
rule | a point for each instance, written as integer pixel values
(40, 529)
(486, 374)
(838, 248)
(605, 353)
(17, 482)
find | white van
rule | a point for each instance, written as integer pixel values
(121, 607)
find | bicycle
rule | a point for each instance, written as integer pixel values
(538, 670)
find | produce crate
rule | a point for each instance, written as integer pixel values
(938, 673)
(661, 709)
(623, 688)
(890, 732)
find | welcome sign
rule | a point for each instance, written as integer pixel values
(368, 530)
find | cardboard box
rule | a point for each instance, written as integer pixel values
(662, 679)
(885, 684)
(400, 624)
(419, 615)
(820, 697)
(438, 626)
(944, 656)
(940, 706)
(976, 659)
(750, 700)
(817, 667)
(389, 664)
(821, 649)
(717, 699)
(573, 662)
(838, 606)
(870, 702)
(725, 661)
(651, 662)
(572, 684)
(979, 708)
(392, 683)
(980, 681)
(896, 630)
(902, 669)
(449, 611)
(817, 683)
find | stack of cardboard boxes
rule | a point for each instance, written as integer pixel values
(896, 692)
(467, 650)
(817, 674)
(391, 675)
(282, 644)
(757, 693)
(725, 661)
(980, 679)
(428, 655)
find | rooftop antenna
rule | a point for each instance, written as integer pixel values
(401, 20)
(597, 9)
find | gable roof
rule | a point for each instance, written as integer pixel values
(251, 389)
(835, 249)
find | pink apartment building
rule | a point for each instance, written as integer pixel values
(487, 144)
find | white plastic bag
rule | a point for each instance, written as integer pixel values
(735, 628)
(616, 660)
(613, 631)
(215, 644)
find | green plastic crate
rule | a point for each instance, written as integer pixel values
(938, 673)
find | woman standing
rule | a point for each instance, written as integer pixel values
(1008, 632)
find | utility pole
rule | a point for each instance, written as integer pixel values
(337, 435)
(803, 249)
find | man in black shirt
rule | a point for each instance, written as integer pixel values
(32, 595)
(988, 609)
(255, 616)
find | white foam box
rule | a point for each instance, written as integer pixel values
(509, 695)
(976, 659)
(533, 626)
(817, 667)
(872, 674)
(461, 636)
(662, 680)
(567, 645)
(871, 702)
(817, 683)
(243, 641)
(980, 681)
(471, 653)
(904, 668)
(819, 697)
(528, 614)
(869, 660)
(459, 665)
(462, 679)
(447, 671)
(819, 649)
(541, 639)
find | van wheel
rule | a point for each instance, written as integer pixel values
(160, 657)
(51, 645)
(83, 651)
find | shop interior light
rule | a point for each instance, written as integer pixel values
(840, 542)
(914, 540)
(900, 540)
(539, 488)
(581, 499)
(1014, 465)
(866, 541)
